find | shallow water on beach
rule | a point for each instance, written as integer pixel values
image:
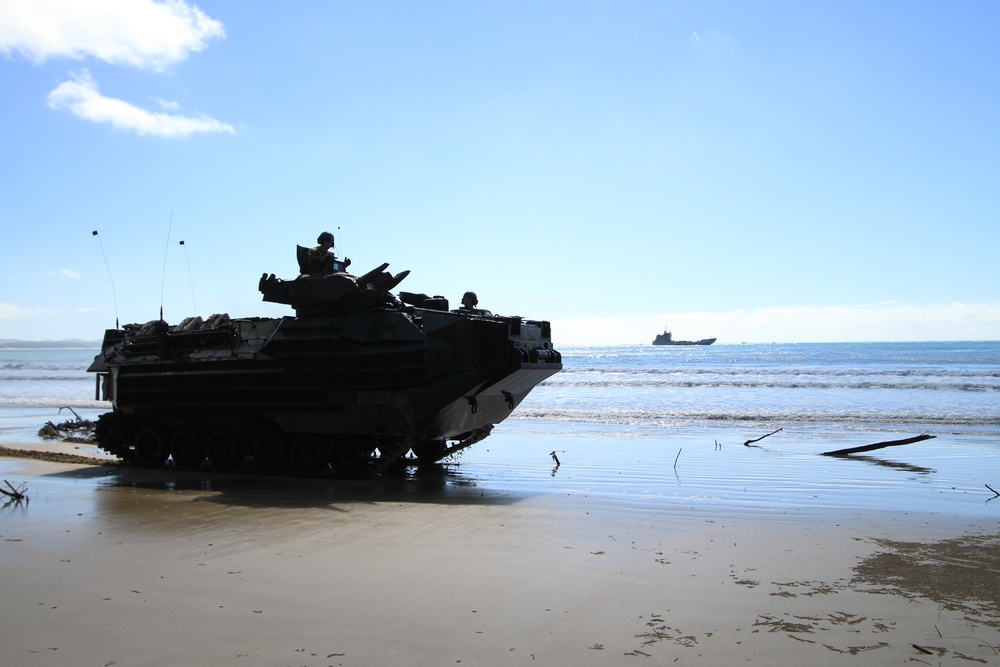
(702, 471)
(711, 469)
(655, 429)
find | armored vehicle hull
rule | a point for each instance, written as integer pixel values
(357, 380)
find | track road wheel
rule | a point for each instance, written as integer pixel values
(310, 454)
(270, 452)
(150, 448)
(187, 449)
(224, 450)
(349, 456)
(429, 451)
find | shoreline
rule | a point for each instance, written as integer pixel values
(715, 468)
(134, 567)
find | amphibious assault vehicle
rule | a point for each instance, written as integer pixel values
(357, 380)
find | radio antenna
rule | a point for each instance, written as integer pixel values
(163, 280)
(193, 300)
(113, 295)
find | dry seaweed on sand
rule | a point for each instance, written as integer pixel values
(961, 574)
(54, 457)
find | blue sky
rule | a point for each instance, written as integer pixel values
(754, 171)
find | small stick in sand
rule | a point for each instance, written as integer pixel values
(996, 494)
(878, 445)
(747, 443)
(554, 457)
(678, 457)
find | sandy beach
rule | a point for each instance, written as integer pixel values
(105, 566)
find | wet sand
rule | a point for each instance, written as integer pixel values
(125, 567)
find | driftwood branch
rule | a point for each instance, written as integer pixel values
(996, 494)
(15, 495)
(66, 407)
(878, 445)
(747, 443)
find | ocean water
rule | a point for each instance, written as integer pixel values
(38, 386)
(47, 378)
(926, 387)
(933, 387)
(654, 429)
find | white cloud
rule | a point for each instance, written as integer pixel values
(145, 34)
(167, 104)
(82, 98)
(67, 273)
(795, 324)
(138, 33)
(10, 311)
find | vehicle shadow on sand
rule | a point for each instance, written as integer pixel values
(434, 484)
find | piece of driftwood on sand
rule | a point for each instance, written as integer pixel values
(878, 445)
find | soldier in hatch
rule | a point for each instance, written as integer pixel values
(321, 259)
(470, 303)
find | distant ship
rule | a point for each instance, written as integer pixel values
(667, 338)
